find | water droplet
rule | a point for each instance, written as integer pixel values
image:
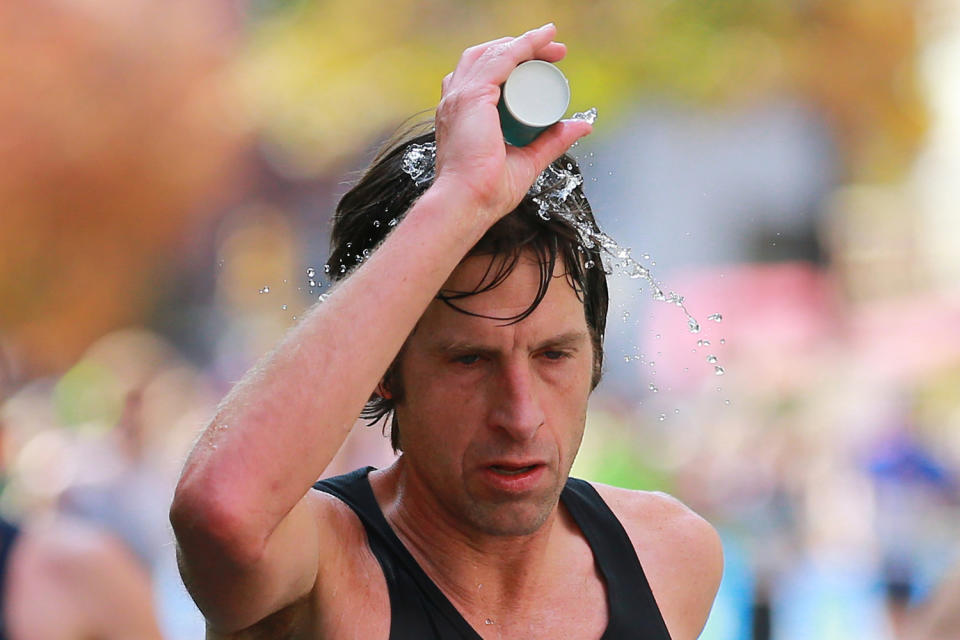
(419, 162)
(323, 297)
(676, 410)
(265, 290)
(343, 268)
(657, 336)
(653, 388)
(589, 264)
(590, 115)
(376, 224)
(392, 223)
(662, 417)
(626, 358)
(703, 343)
(716, 317)
(311, 272)
(488, 621)
(626, 315)
(718, 370)
(726, 402)
(312, 282)
(723, 341)
(712, 359)
(283, 307)
(693, 325)
(326, 268)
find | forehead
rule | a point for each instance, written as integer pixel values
(559, 311)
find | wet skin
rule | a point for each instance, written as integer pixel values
(492, 415)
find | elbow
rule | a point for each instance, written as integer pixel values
(215, 527)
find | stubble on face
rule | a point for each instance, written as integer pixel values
(450, 408)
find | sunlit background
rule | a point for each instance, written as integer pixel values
(790, 167)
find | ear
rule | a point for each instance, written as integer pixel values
(383, 391)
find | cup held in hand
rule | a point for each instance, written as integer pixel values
(535, 96)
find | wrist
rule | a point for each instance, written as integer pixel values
(458, 203)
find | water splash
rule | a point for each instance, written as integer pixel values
(420, 162)
(552, 188)
(590, 115)
(551, 192)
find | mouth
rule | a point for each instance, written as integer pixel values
(512, 470)
(514, 478)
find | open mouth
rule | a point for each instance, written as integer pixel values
(512, 471)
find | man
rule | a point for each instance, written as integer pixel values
(64, 578)
(465, 535)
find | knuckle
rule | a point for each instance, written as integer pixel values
(497, 50)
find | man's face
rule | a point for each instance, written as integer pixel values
(491, 415)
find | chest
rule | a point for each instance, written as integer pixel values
(572, 606)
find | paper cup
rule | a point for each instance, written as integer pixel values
(535, 96)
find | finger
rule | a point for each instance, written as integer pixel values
(552, 52)
(553, 143)
(445, 83)
(470, 55)
(496, 63)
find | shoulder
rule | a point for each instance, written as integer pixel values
(72, 548)
(84, 577)
(680, 552)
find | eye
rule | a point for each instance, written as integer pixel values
(555, 355)
(467, 359)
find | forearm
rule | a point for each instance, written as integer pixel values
(283, 422)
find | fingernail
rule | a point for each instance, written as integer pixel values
(549, 24)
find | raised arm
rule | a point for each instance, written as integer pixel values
(251, 540)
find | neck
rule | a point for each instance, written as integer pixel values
(485, 576)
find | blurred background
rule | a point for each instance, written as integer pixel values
(789, 167)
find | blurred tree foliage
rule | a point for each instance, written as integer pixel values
(323, 75)
(120, 121)
(116, 123)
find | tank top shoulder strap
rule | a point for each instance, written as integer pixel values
(418, 609)
(634, 612)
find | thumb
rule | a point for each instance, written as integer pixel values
(553, 142)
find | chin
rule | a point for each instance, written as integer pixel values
(511, 520)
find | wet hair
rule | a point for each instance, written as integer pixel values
(378, 201)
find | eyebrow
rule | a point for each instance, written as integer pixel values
(568, 340)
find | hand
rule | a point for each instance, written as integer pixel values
(471, 152)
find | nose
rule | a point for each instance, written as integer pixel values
(516, 406)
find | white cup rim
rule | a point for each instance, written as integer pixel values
(550, 113)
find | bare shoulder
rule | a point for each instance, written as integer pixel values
(72, 548)
(85, 578)
(680, 552)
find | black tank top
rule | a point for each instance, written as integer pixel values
(420, 611)
(8, 535)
